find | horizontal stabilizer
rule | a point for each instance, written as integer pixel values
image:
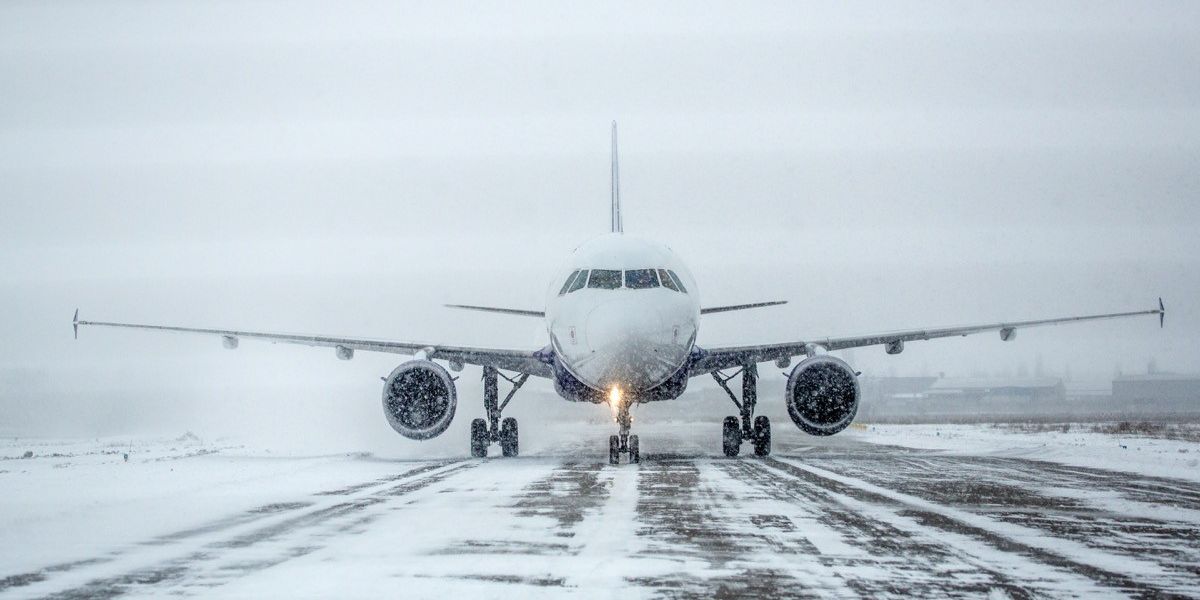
(717, 309)
(507, 311)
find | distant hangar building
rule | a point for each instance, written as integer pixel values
(948, 400)
(1169, 391)
(1017, 392)
(917, 398)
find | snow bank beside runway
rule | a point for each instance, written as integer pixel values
(1076, 447)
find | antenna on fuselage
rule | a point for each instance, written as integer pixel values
(617, 227)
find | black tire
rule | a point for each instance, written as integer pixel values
(635, 456)
(479, 438)
(614, 450)
(731, 436)
(762, 436)
(508, 437)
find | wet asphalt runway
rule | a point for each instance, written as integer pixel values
(838, 518)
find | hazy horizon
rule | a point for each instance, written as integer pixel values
(280, 167)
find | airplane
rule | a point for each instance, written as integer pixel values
(622, 316)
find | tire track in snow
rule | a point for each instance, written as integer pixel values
(199, 553)
(714, 548)
(1116, 573)
(566, 496)
(607, 539)
(1144, 518)
(260, 513)
(565, 532)
(1021, 472)
(878, 556)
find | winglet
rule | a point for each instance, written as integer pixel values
(617, 226)
(1162, 312)
(75, 323)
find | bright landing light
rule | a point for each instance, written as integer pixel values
(614, 400)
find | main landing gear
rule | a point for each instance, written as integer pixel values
(756, 430)
(623, 443)
(493, 430)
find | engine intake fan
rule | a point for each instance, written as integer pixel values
(822, 395)
(419, 399)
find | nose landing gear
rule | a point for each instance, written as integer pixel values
(749, 428)
(623, 443)
(485, 433)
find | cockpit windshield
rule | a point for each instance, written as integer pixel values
(604, 279)
(678, 282)
(570, 280)
(666, 280)
(578, 282)
(611, 279)
(638, 279)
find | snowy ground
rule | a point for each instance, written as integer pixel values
(956, 511)
(1077, 446)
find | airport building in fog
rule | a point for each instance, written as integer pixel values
(1019, 392)
(955, 397)
(1157, 389)
(934, 399)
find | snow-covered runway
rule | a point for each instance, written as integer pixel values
(836, 517)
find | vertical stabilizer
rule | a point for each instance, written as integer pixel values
(617, 227)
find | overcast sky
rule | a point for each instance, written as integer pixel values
(299, 167)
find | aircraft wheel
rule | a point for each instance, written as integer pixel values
(479, 438)
(762, 436)
(634, 455)
(731, 436)
(614, 450)
(508, 437)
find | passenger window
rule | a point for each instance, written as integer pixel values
(604, 279)
(640, 279)
(667, 282)
(568, 282)
(677, 281)
(579, 281)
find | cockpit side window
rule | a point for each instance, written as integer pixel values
(639, 279)
(568, 282)
(678, 283)
(604, 279)
(667, 282)
(579, 281)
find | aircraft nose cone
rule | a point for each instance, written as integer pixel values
(630, 345)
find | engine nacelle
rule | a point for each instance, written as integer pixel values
(419, 399)
(822, 395)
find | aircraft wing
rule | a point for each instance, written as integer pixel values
(712, 359)
(522, 361)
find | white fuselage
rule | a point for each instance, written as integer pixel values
(631, 329)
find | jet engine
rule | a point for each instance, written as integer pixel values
(822, 395)
(419, 399)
